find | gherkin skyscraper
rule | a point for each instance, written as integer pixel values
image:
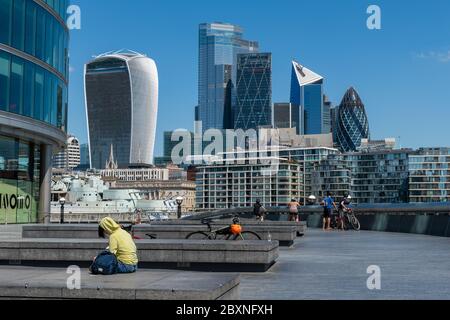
(352, 122)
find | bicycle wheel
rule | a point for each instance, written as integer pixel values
(247, 235)
(355, 223)
(199, 235)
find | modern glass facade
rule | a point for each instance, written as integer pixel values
(33, 103)
(254, 91)
(379, 176)
(429, 179)
(285, 115)
(307, 93)
(121, 91)
(353, 124)
(219, 45)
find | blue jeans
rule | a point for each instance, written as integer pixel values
(126, 268)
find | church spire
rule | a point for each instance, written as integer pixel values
(111, 164)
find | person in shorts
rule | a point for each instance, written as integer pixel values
(328, 205)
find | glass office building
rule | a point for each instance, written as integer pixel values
(285, 115)
(254, 91)
(219, 44)
(307, 94)
(352, 123)
(33, 104)
(429, 180)
(121, 91)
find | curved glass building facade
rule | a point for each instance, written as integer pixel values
(33, 104)
(352, 122)
(121, 91)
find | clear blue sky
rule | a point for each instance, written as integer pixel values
(402, 72)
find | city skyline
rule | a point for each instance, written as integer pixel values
(341, 49)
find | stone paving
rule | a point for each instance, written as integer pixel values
(333, 265)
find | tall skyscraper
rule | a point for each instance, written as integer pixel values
(219, 44)
(327, 120)
(285, 115)
(121, 91)
(253, 91)
(307, 93)
(34, 75)
(352, 123)
(84, 157)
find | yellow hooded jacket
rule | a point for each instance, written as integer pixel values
(120, 242)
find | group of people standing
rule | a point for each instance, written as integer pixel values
(328, 203)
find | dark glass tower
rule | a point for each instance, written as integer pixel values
(352, 122)
(254, 91)
(219, 44)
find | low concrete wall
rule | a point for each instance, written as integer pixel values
(184, 254)
(247, 221)
(51, 284)
(419, 218)
(426, 223)
(285, 234)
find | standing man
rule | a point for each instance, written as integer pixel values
(342, 208)
(328, 205)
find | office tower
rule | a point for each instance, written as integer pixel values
(285, 115)
(33, 104)
(307, 93)
(69, 158)
(253, 91)
(353, 124)
(219, 44)
(334, 113)
(429, 175)
(327, 120)
(84, 157)
(121, 90)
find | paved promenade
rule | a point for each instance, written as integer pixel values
(333, 265)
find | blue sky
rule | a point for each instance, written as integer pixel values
(402, 72)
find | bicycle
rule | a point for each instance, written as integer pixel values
(130, 230)
(232, 232)
(350, 220)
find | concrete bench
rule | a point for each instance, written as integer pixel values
(178, 254)
(51, 283)
(301, 225)
(286, 234)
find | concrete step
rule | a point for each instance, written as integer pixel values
(207, 255)
(51, 283)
